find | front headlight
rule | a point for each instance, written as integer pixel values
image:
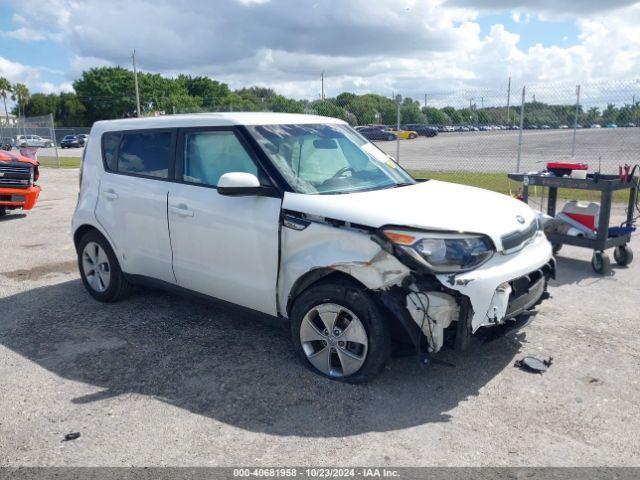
(443, 252)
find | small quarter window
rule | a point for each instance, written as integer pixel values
(110, 143)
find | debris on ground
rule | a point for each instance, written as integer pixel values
(533, 364)
(71, 436)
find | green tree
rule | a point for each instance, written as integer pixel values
(71, 112)
(106, 93)
(5, 89)
(20, 94)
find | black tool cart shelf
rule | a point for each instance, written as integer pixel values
(606, 185)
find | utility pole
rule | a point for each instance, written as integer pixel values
(481, 102)
(322, 85)
(425, 100)
(135, 81)
(508, 100)
(521, 128)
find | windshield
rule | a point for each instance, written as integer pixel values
(328, 158)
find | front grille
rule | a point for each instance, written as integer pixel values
(15, 175)
(528, 290)
(515, 239)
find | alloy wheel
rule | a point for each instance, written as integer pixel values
(96, 268)
(334, 340)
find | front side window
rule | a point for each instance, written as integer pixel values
(145, 153)
(328, 158)
(210, 154)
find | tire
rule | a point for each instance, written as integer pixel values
(391, 137)
(48, 145)
(116, 286)
(556, 247)
(623, 255)
(3, 211)
(366, 345)
(412, 136)
(600, 263)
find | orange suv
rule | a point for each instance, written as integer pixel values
(17, 176)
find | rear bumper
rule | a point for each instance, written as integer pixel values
(24, 198)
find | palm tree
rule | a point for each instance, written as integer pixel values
(20, 95)
(5, 89)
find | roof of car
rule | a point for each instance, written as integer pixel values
(213, 120)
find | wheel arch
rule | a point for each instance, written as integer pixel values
(85, 228)
(315, 276)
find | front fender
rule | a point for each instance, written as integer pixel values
(334, 248)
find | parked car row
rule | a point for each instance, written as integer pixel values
(74, 141)
(391, 132)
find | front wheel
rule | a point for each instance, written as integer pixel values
(391, 137)
(412, 136)
(3, 211)
(339, 332)
(600, 263)
(100, 270)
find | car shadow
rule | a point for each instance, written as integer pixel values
(12, 216)
(238, 368)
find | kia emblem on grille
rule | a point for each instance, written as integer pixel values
(520, 219)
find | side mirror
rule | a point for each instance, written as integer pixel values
(239, 184)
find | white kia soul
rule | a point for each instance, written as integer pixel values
(299, 216)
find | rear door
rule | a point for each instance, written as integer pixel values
(223, 246)
(132, 202)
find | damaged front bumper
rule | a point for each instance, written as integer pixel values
(507, 285)
(503, 288)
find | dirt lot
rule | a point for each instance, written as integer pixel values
(162, 380)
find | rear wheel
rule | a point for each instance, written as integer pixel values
(623, 255)
(339, 332)
(391, 137)
(412, 136)
(3, 211)
(100, 270)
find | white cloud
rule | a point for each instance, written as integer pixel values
(408, 46)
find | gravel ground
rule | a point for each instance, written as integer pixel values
(161, 380)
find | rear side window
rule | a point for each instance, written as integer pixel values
(138, 153)
(145, 153)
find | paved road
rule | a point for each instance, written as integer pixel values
(497, 151)
(161, 380)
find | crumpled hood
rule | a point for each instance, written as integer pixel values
(430, 205)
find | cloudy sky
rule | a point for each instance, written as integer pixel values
(381, 46)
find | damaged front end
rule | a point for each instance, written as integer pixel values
(408, 274)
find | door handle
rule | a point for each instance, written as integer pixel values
(109, 194)
(181, 210)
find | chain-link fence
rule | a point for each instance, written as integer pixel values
(472, 136)
(34, 137)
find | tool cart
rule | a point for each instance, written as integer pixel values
(605, 237)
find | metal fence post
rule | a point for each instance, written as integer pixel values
(521, 128)
(398, 100)
(52, 133)
(575, 122)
